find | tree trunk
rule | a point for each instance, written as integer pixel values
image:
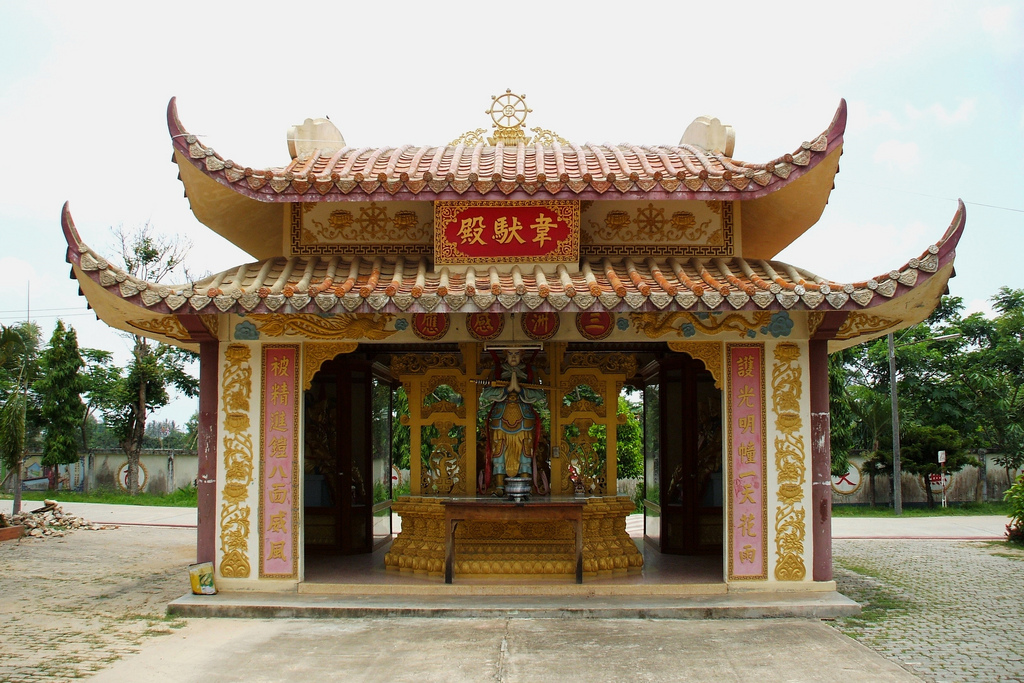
(928, 491)
(85, 437)
(17, 490)
(139, 426)
(871, 484)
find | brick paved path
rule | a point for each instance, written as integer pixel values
(68, 608)
(944, 610)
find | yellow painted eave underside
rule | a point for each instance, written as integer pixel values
(255, 227)
(773, 222)
(116, 312)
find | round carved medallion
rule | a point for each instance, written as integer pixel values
(539, 326)
(485, 326)
(595, 326)
(430, 326)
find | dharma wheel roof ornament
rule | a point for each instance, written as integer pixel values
(508, 118)
(508, 112)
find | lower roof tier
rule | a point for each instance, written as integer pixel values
(346, 283)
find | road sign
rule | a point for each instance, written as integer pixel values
(942, 456)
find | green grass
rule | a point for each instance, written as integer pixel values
(182, 498)
(958, 510)
(879, 600)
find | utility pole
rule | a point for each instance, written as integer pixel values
(897, 472)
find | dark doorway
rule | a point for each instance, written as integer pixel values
(347, 493)
(683, 457)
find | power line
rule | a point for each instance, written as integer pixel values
(19, 318)
(934, 196)
(66, 308)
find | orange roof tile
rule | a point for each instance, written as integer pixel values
(587, 171)
(383, 283)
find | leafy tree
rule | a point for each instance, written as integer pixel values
(144, 388)
(99, 377)
(400, 433)
(18, 364)
(1015, 497)
(841, 413)
(192, 432)
(930, 395)
(992, 372)
(630, 441)
(98, 435)
(872, 431)
(919, 449)
(152, 369)
(60, 387)
(164, 434)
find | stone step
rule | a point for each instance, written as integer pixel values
(743, 604)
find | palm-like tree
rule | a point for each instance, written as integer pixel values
(14, 356)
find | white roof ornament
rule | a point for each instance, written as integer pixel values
(314, 134)
(711, 135)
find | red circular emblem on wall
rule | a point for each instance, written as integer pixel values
(430, 326)
(594, 326)
(485, 326)
(540, 326)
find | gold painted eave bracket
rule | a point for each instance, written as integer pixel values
(709, 353)
(315, 354)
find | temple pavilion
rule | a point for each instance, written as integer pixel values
(491, 299)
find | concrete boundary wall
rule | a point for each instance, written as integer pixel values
(964, 486)
(163, 471)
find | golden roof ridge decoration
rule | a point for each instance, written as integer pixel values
(508, 116)
(508, 112)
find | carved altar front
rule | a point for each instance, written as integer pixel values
(514, 548)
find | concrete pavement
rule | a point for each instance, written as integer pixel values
(566, 650)
(145, 515)
(982, 527)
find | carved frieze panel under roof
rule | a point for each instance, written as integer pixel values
(608, 228)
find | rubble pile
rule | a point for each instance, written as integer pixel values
(49, 520)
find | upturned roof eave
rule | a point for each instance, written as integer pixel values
(118, 297)
(256, 184)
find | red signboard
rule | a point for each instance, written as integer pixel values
(514, 231)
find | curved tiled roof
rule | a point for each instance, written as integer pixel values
(586, 171)
(369, 284)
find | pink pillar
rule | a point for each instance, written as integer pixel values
(206, 482)
(821, 462)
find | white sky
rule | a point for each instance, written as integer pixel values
(934, 89)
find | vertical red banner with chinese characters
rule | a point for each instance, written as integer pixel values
(279, 471)
(747, 519)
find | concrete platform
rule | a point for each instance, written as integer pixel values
(724, 605)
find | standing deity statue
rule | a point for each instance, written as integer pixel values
(513, 424)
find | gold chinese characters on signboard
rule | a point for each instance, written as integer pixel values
(514, 231)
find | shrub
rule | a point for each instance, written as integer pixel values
(1015, 497)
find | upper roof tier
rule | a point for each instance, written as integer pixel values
(781, 197)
